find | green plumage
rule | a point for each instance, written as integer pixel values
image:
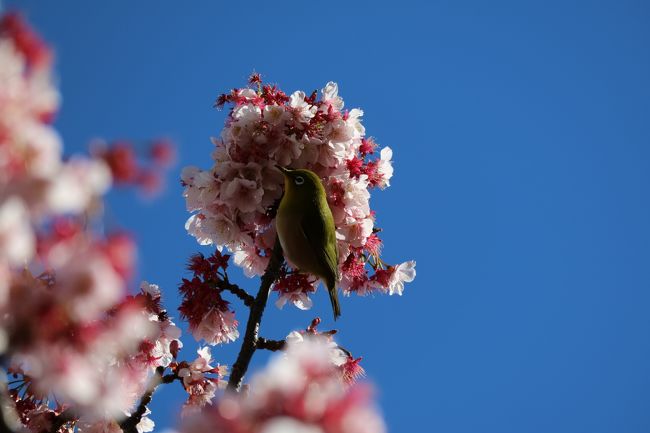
(306, 229)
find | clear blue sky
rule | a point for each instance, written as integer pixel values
(521, 133)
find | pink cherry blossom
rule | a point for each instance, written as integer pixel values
(234, 201)
(250, 260)
(201, 387)
(294, 288)
(300, 391)
(217, 327)
(203, 307)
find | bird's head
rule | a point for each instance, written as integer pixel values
(301, 182)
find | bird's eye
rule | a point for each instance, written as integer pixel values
(299, 180)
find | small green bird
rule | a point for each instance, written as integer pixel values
(305, 227)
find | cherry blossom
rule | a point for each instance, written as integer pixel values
(300, 391)
(128, 169)
(85, 349)
(249, 259)
(200, 387)
(233, 202)
(393, 278)
(217, 327)
(162, 152)
(69, 334)
(163, 345)
(294, 288)
(31, 167)
(349, 367)
(203, 307)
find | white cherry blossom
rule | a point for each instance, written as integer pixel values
(385, 167)
(403, 273)
(217, 327)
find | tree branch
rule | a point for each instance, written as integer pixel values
(251, 337)
(237, 291)
(272, 345)
(64, 417)
(129, 425)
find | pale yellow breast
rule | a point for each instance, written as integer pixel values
(296, 247)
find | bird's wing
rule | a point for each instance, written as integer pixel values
(320, 233)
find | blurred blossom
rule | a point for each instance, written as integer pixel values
(145, 171)
(162, 152)
(151, 182)
(348, 367)
(120, 249)
(102, 426)
(101, 365)
(31, 167)
(68, 331)
(120, 157)
(77, 185)
(17, 241)
(299, 391)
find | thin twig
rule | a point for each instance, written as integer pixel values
(237, 291)
(272, 345)
(169, 378)
(251, 337)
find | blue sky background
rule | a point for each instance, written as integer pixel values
(521, 134)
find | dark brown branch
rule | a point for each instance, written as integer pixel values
(251, 336)
(169, 378)
(272, 345)
(129, 425)
(237, 291)
(64, 417)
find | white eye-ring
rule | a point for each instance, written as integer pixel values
(299, 180)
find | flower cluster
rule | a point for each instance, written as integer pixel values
(163, 348)
(234, 201)
(207, 313)
(348, 366)
(294, 287)
(74, 344)
(196, 382)
(98, 364)
(129, 170)
(300, 392)
(34, 180)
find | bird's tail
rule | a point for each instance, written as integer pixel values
(334, 298)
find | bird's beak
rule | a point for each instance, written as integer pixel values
(282, 169)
